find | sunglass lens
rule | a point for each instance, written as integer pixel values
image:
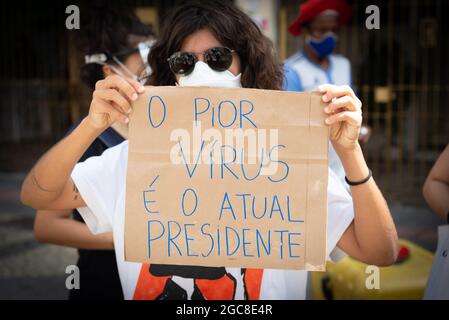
(182, 63)
(219, 59)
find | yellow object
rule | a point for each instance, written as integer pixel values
(347, 278)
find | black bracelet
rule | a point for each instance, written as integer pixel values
(356, 183)
(447, 217)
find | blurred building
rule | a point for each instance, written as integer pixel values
(398, 72)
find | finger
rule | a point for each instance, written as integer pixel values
(339, 110)
(122, 85)
(331, 91)
(346, 102)
(124, 117)
(113, 95)
(135, 84)
(353, 118)
(112, 112)
(100, 84)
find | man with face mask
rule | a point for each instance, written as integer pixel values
(315, 64)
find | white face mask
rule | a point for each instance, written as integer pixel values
(204, 76)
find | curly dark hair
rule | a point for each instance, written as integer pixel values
(108, 28)
(230, 26)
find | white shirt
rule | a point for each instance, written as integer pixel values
(101, 182)
(301, 74)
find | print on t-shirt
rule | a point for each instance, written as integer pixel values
(174, 282)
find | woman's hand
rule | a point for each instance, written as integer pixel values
(111, 101)
(344, 116)
(371, 237)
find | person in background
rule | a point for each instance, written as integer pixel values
(316, 64)
(436, 186)
(115, 42)
(436, 193)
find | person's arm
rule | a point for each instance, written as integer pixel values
(371, 237)
(436, 187)
(48, 185)
(57, 227)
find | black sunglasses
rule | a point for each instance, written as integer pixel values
(218, 58)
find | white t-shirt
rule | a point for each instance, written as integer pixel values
(101, 182)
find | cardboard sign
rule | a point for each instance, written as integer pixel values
(227, 177)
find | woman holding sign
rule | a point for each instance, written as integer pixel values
(215, 44)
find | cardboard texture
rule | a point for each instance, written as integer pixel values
(230, 213)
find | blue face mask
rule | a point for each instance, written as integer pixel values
(324, 46)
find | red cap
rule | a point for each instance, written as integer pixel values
(313, 8)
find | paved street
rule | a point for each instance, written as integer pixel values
(29, 270)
